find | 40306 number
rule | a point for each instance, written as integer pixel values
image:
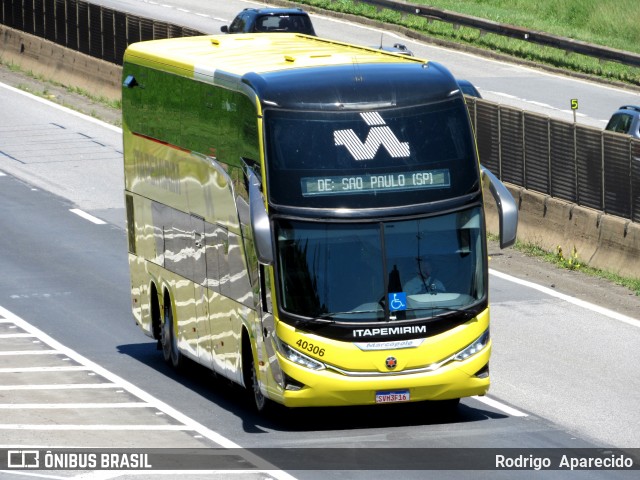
(310, 347)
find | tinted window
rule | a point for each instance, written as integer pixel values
(284, 23)
(239, 23)
(348, 271)
(620, 122)
(370, 159)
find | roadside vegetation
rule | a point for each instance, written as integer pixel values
(572, 262)
(604, 22)
(50, 89)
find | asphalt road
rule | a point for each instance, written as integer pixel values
(569, 370)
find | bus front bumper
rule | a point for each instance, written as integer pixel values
(314, 388)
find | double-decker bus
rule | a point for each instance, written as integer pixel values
(305, 218)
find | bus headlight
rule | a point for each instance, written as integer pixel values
(474, 347)
(300, 358)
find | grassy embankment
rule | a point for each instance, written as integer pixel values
(603, 22)
(573, 262)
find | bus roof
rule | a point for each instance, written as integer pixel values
(299, 71)
(269, 52)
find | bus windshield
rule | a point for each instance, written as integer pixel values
(410, 269)
(370, 159)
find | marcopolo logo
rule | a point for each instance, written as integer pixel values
(380, 135)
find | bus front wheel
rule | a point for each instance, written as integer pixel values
(251, 381)
(169, 341)
(258, 397)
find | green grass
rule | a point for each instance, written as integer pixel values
(604, 22)
(572, 262)
(45, 92)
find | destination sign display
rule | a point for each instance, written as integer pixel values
(370, 183)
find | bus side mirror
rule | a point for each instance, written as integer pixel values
(130, 82)
(260, 225)
(507, 208)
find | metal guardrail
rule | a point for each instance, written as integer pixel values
(579, 164)
(522, 33)
(91, 29)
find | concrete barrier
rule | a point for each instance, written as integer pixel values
(601, 241)
(59, 64)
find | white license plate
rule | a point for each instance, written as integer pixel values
(392, 397)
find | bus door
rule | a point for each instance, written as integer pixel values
(201, 290)
(267, 330)
(222, 308)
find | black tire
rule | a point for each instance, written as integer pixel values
(261, 403)
(169, 341)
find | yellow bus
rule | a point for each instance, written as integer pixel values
(305, 218)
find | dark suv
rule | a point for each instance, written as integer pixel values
(252, 20)
(626, 120)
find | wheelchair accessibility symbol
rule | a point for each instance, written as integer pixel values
(397, 301)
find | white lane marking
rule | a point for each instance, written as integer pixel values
(49, 103)
(89, 365)
(2, 174)
(213, 474)
(500, 406)
(61, 386)
(567, 298)
(34, 474)
(30, 352)
(99, 428)
(44, 369)
(87, 216)
(79, 406)
(188, 424)
(541, 105)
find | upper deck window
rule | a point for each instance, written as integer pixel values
(370, 159)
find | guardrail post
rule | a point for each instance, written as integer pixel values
(76, 7)
(524, 150)
(499, 143)
(631, 212)
(575, 163)
(602, 174)
(549, 175)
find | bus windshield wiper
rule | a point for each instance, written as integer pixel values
(325, 319)
(466, 312)
(314, 323)
(331, 315)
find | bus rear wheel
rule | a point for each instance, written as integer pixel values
(169, 341)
